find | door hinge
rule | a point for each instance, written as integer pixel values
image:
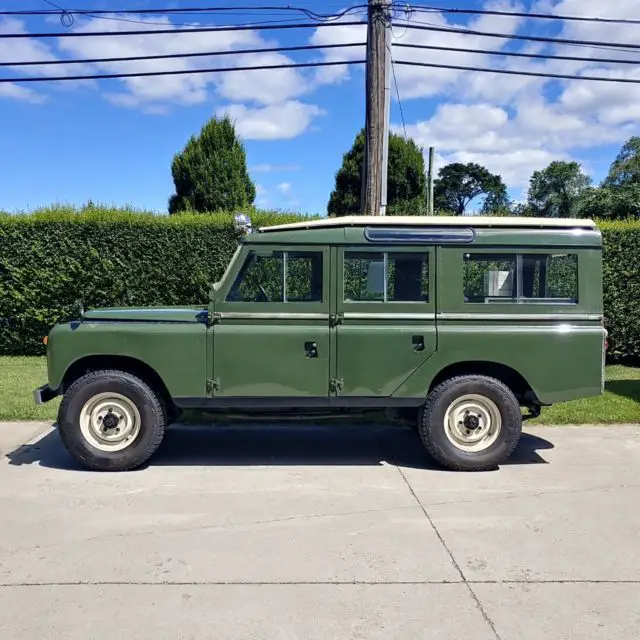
(335, 319)
(213, 385)
(336, 385)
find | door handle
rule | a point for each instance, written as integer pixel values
(418, 343)
(311, 349)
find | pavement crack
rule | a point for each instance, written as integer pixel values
(455, 563)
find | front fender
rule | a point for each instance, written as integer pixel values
(175, 351)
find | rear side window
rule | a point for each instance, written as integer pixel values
(530, 278)
(386, 277)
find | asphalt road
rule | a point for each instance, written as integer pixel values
(322, 533)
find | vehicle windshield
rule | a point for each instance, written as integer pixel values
(225, 275)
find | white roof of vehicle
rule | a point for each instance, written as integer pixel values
(436, 221)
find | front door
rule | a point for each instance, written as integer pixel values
(386, 328)
(271, 337)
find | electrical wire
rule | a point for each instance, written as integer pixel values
(395, 82)
(535, 74)
(147, 32)
(515, 54)
(521, 14)
(511, 36)
(183, 10)
(180, 72)
(168, 56)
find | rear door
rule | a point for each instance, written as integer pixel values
(385, 324)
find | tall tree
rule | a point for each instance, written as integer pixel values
(625, 169)
(210, 173)
(554, 191)
(458, 184)
(406, 178)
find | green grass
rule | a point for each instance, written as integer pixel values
(620, 402)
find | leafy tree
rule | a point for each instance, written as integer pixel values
(458, 184)
(210, 173)
(625, 169)
(406, 186)
(608, 203)
(554, 191)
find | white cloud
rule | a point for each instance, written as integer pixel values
(275, 168)
(281, 121)
(18, 92)
(284, 187)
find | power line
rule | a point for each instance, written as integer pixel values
(148, 32)
(518, 73)
(395, 82)
(518, 14)
(515, 54)
(180, 72)
(314, 15)
(167, 56)
(511, 36)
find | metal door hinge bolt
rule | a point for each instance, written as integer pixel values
(336, 385)
(335, 319)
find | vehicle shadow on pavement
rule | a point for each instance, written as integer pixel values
(276, 445)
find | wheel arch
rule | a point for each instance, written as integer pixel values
(514, 380)
(128, 364)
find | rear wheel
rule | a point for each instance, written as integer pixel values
(111, 421)
(471, 423)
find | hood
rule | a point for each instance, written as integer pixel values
(147, 314)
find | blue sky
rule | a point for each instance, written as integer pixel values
(112, 141)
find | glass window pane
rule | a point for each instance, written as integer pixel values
(550, 277)
(408, 277)
(364, 277)
(304, 277)
(489, 277)
(262, 278)
(525, 278)
(403, 276)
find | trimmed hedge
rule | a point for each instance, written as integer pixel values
(54, 258)
(621, 273)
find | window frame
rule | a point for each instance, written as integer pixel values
(223, 303)
(518, 256)
(390, 306)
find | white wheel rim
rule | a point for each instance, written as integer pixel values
(473, 423)
(110, 422)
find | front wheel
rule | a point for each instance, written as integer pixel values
(471, 423)
(111, 421)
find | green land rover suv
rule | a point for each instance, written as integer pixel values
(461, 326)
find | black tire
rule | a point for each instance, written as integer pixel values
(148, 403)
(433, 430)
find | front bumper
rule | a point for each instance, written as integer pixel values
(44, 394)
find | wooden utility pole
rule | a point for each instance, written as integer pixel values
(430, 183)
(374, 168)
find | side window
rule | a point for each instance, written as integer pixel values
(528, 278)
(550, 277)
(488, 277)
(386, 277)
(279, 276)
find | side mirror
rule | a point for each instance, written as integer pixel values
(242, 223)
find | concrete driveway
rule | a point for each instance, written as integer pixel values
(323, 533)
